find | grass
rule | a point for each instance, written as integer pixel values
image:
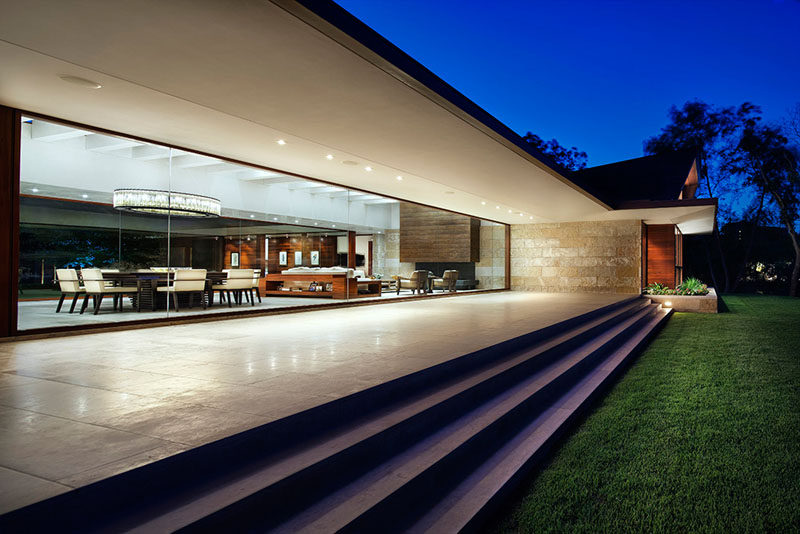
(701, 434)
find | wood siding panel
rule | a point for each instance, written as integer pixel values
(430, 235)
(661, 254)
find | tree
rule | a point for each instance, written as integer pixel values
(764, 158)
(711, 132)
(569, 158)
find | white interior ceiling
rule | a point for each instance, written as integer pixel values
(233, 81)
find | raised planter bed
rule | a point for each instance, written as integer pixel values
(687, 303)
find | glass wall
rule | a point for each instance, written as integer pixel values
(128, 230)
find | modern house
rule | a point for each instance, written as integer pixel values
(319, 144)
(177, 162)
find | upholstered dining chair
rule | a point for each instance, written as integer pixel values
(97, 288)
(416, 283)
(447, 282)
(239, 281)
(191, 281)
(70, 284)
(256, 288)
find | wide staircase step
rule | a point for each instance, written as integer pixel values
(434, 451)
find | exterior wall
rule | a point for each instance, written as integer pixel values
(490, 270)
(602, 257)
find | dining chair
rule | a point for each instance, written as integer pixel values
(70, 284)
(238, 282)
(189, 281)
(97, 288)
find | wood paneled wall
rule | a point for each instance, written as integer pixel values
(9, 219)
(291, 244)
(431, 235)
(251, 253)
(661, 254)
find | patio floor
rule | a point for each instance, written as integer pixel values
(74, 410)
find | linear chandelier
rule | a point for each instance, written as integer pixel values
(166, 203)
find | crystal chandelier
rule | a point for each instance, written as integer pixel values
(166, 203)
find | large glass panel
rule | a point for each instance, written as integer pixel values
(69, 227)
(174, 232)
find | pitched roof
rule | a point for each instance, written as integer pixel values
(653, 178)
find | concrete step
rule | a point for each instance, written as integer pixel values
(505, 389)
(467, 506)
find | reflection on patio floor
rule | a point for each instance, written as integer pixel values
(42, 313)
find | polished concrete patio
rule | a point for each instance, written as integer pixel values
(74, 410)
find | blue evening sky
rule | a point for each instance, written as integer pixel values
(599, 75)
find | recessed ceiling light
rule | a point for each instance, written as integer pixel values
(521, 214)
(497, 207)
(329, 156)
(531, 217)
(35, 190)
(399, 177)
(84, 196)
(509, 211)
(281, 142)
(483, 202)
(83, 82)
(368, 168)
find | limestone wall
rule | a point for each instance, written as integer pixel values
(391, 263)
(603, 257)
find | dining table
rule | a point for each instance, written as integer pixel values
(147, 283)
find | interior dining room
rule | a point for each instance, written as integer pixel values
(115, 229)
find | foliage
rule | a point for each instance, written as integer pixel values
(765, 161)
(569, 158)
(689, 287)
(700, 435)
(657, 289)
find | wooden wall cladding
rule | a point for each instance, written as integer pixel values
(661, 254)
(294, 243)
(250, 252)
(9, 224)
(431, 235)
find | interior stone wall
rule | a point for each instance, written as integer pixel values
(491, 269)
(601, 257)
(379, 254)
(392, 264)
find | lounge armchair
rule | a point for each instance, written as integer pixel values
(189, 281)
(416, 283)
(447, 282)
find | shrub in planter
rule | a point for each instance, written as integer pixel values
(690, 286)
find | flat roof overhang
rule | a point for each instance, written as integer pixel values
(231, 82)
(695, 216)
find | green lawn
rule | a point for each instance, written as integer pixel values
(701, 434)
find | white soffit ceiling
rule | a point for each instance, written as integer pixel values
(232, 79)
(691, 219)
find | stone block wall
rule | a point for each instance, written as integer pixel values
(600, 257)
(392, 264)
(491, 269)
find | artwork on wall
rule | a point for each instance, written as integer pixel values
(234, 259)
(282, 258)
(315, 257)
(298, 258)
